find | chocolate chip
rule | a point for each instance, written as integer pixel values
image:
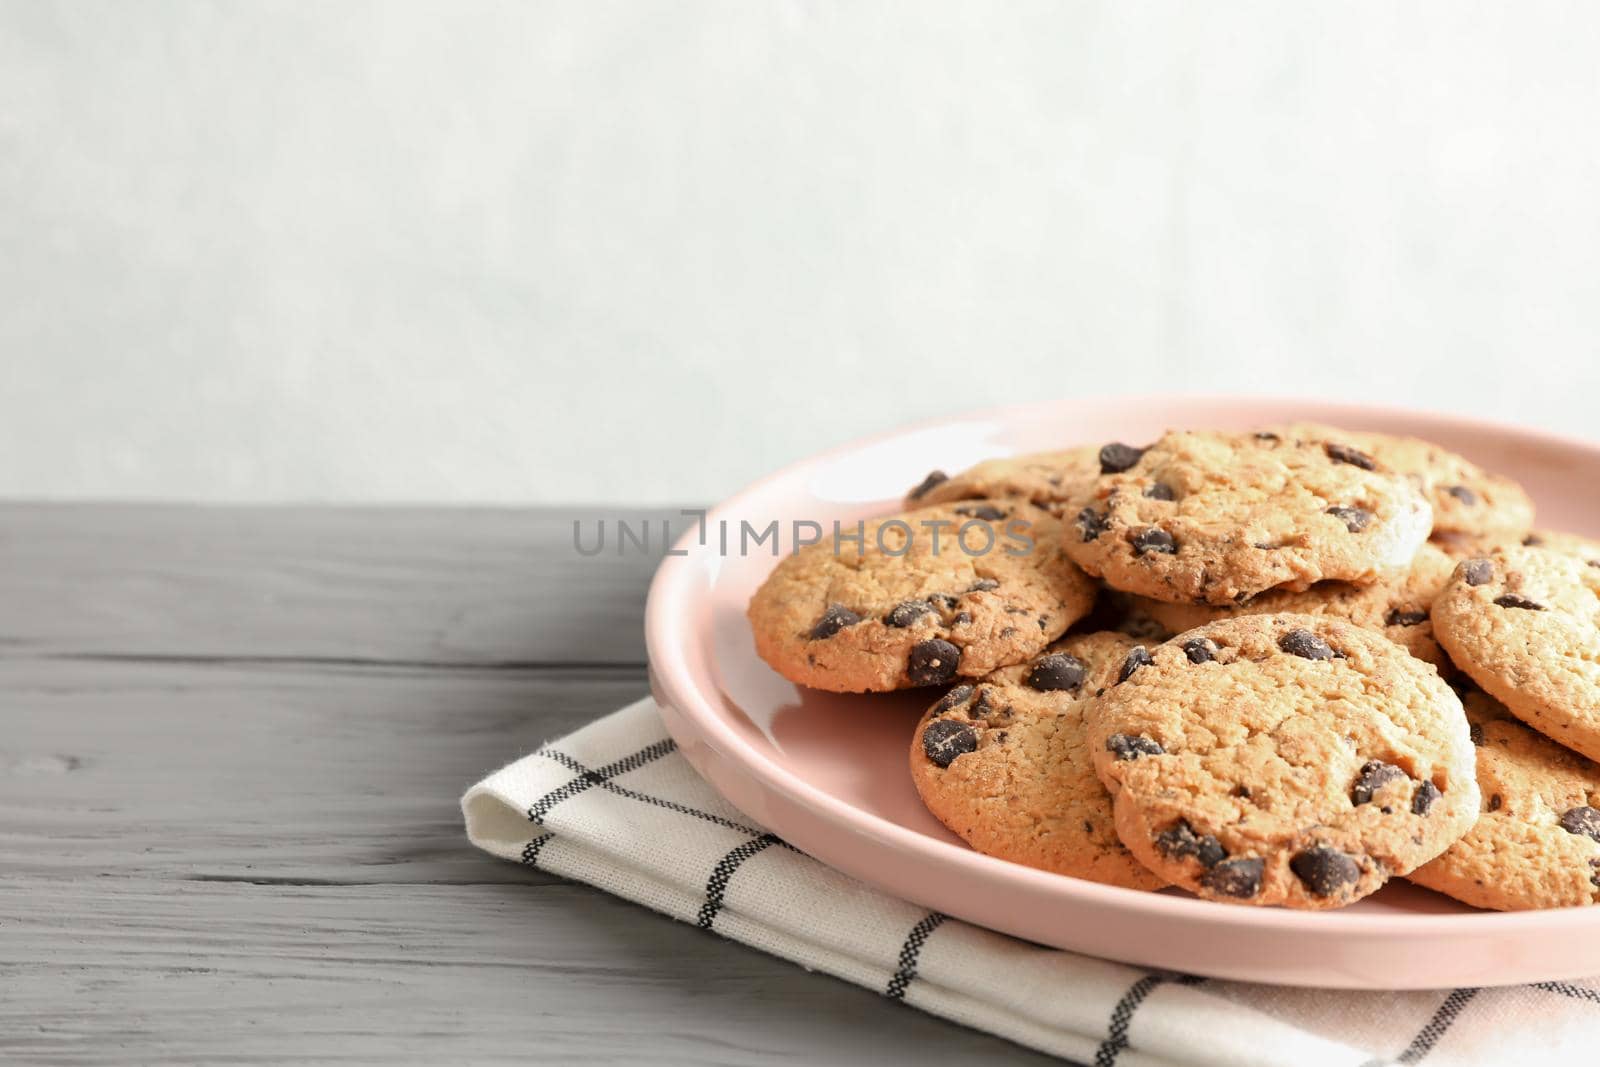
(1355, 519)
(986, 512)
(836, 618)
(1091, 524)
(1056, 671)
(1345, 454)
(934, 478)
(1154, 539)
(1531, 540)
(907, 612)
(1424, 797)
(1405, 618)
(944, 600)
(1136, 658)
(1160, 491)
(981, 708)
(1126, 746)
(946, 739)
(1235, 878)
(1117, 457)
(1180, 842)
(1199, 650)
(1462, 493)
(1496, 802)
(1475, 732)
(983, 585)
(1477, 571)
(962, 619)
(1305, 644)
(932, 662)
(1512, 600)
(953, 699)
(1266, 436)
(1325, 871)
(1582, 820)
(1375, 774)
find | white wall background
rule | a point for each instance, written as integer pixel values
(586, 252)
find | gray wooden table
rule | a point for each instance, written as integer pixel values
(231, 746)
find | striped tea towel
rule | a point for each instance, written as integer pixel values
(615, 805)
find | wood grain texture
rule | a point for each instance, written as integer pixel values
(377, 584)
(232, 743)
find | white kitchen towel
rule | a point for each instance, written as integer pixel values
(615, 805)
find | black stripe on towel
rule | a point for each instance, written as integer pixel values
(910, 950)
(1430, 1034)
(717, 884)
(1122, 1015)
(1567, 989)
(530, 851)
(648, 754)
(633, 794)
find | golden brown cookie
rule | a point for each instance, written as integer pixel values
(1049, 480)
(1466, 498)
(920, 598)
(1005, 763)
(1221, 517)
(1396, 605)
(1460, 546)
(1522, 622)
(1283, 759)
(1536, 843)
(1580, 548)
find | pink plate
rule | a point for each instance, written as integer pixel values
(829, 774)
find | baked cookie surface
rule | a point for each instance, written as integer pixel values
(1221, 517)
(955, 590)
(1466, 498)
(1524, 624)
(1049, 480)
(1283, 759)
(1584, 549)
(1396, 605)
(1536, 843)
(1004, 762)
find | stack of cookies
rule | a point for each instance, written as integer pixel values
(1277, 667)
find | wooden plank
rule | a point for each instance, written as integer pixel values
(131, 972)
(268, 771)
(388, 584)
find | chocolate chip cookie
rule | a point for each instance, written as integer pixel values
(1522, 622)
(1536, 843)
(1005, 763)
(1219, 517)
(1580, 548)
(920, 598)
(1396, 605)
(1466, 498)
(1283, 759)
(1049, 480)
